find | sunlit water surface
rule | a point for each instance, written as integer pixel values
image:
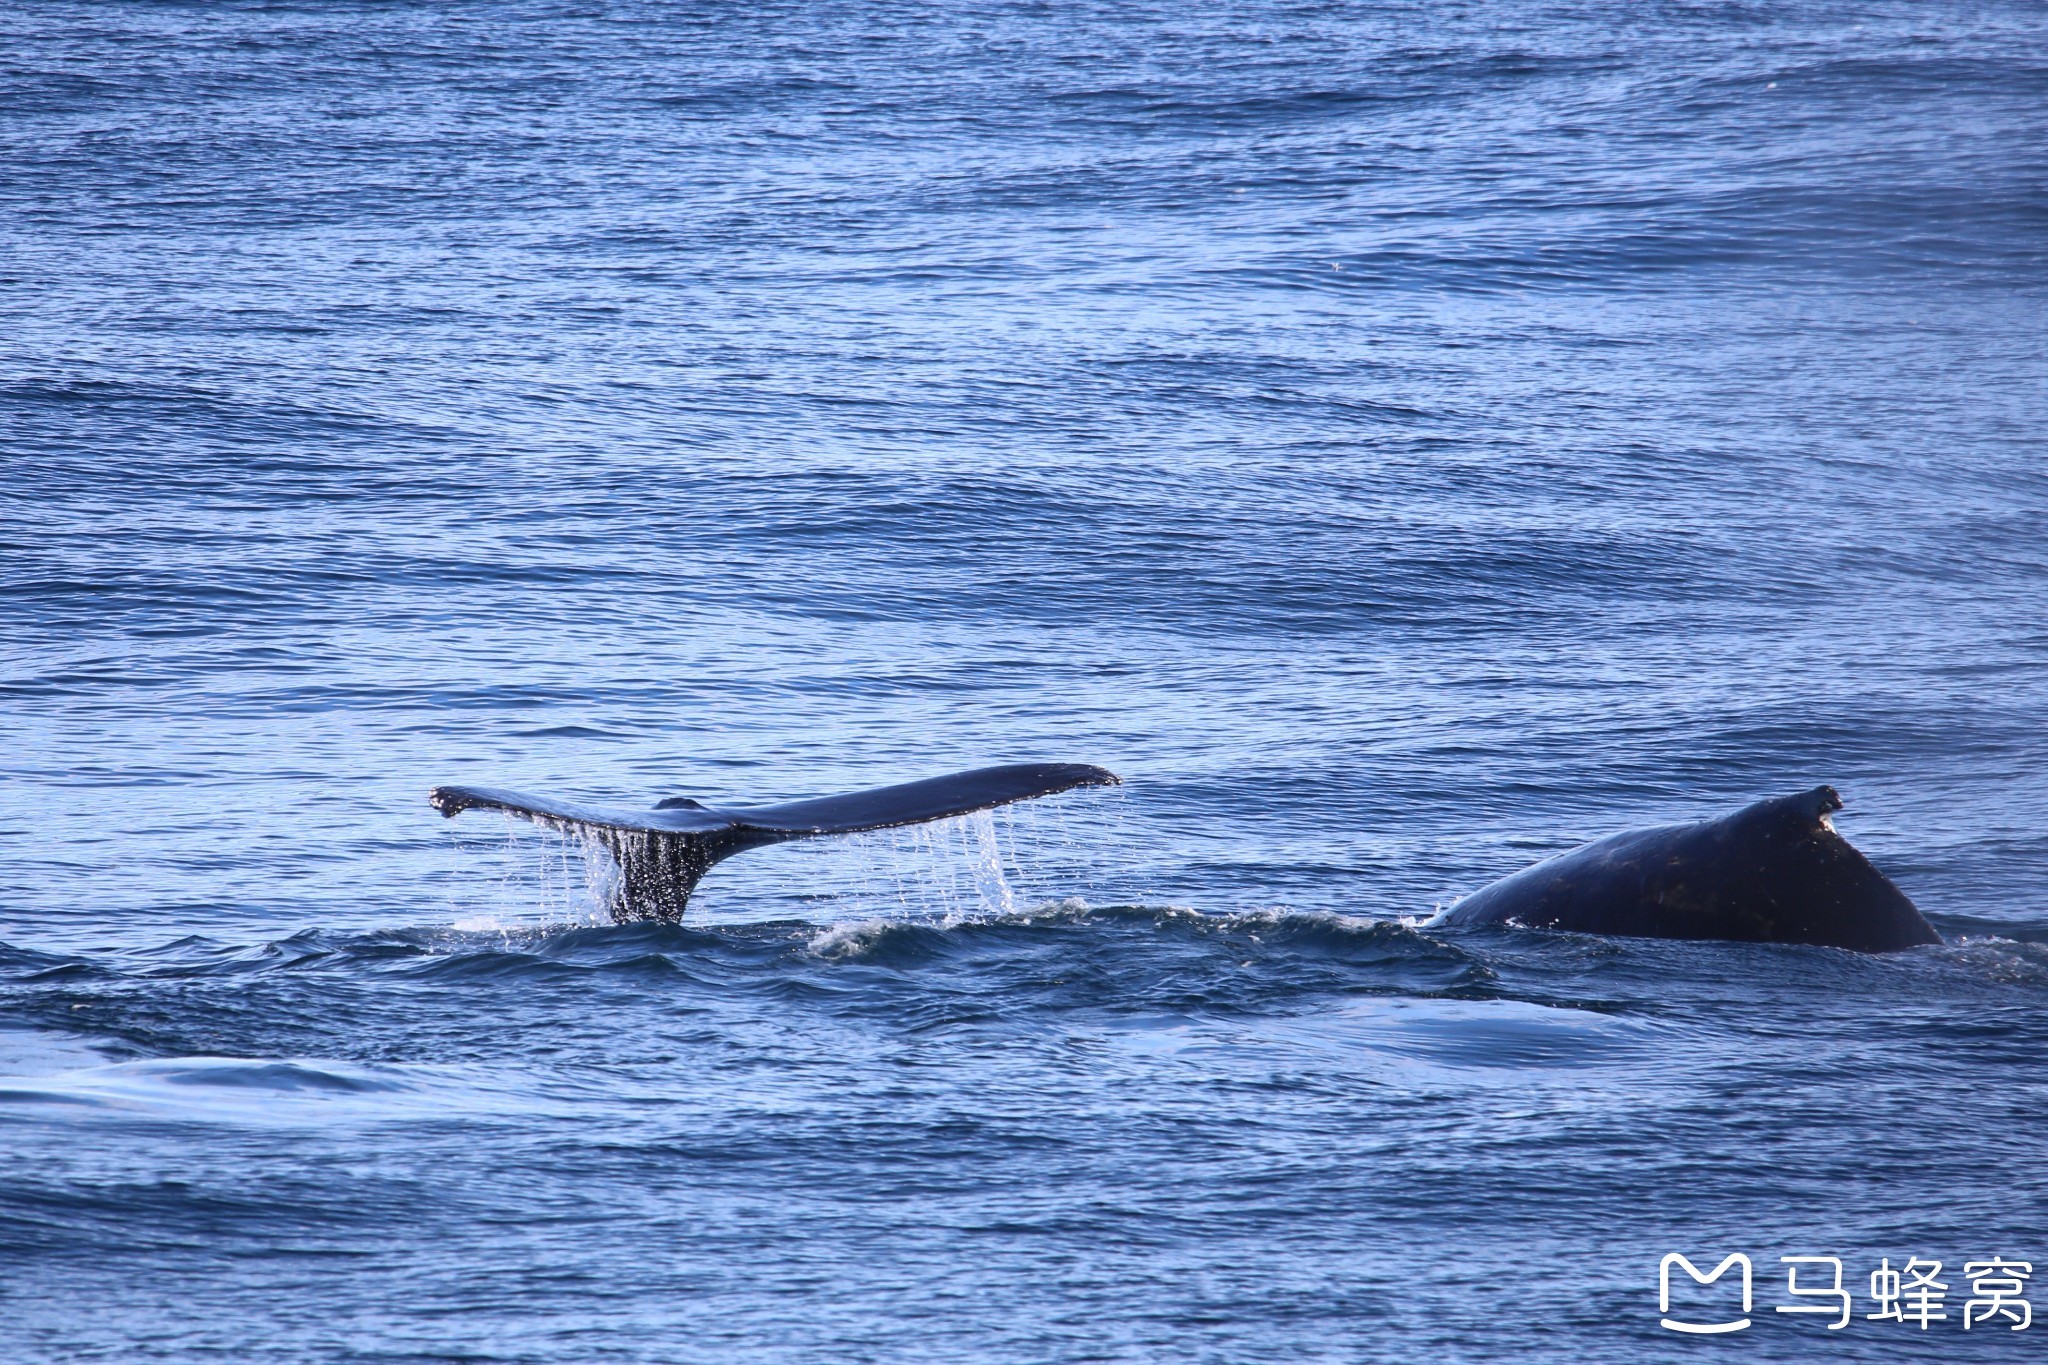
(1401, 441)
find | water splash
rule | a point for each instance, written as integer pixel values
(528, 876)
(983, 864)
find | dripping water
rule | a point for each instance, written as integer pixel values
(985, 864)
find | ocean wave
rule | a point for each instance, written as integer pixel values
(234, 1090)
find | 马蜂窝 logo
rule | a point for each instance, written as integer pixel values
(1664, 1292)
(1912, 1295)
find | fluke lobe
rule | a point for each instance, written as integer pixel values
(663, 852)
(1773, 872)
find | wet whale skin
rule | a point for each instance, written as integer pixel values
(1773, 872)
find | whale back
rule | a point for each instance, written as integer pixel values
(1773, 872)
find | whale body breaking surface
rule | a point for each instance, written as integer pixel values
(1775, 871)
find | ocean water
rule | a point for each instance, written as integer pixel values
(1402, 440)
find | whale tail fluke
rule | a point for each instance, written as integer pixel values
(663, 852)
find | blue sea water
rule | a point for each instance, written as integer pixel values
(1402, 440)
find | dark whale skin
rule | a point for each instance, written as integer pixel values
(665, 851)
(1772, 872)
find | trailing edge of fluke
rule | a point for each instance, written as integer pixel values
(663, 852)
